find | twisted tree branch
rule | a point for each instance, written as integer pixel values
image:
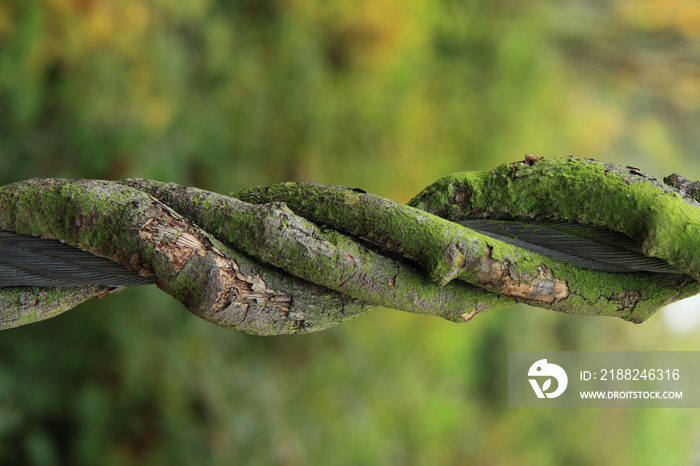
(303, 256)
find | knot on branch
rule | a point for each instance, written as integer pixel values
(296, 257)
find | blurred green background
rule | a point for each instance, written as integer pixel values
(386, 95)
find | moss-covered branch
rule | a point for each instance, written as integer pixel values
(130, 227)
(302, 256)
(664, 219)
(273, 234)
(447, 250)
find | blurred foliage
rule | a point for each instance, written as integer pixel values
(381, 94)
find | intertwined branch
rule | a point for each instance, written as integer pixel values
(298, 257)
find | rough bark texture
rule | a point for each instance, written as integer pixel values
(273, 234)
(130, 227)
(343, 250)
(448, 250)
(26, 305)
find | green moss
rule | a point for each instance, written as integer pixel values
(100, 217)
(584, 191)
(588, 192)
(27, 305)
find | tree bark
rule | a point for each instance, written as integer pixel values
(299, 257)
